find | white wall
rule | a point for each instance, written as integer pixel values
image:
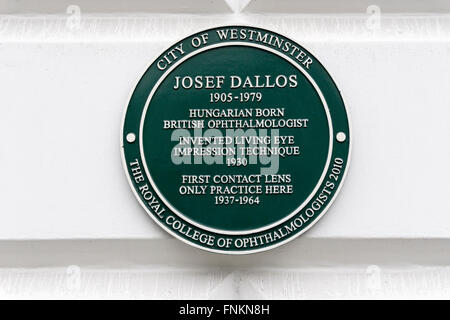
(65, 83)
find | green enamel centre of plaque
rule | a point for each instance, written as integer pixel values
(236, 140)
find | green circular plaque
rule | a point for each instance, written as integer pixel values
(236, 140)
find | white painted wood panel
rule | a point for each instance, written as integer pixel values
(63, 95)
(65, 76)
